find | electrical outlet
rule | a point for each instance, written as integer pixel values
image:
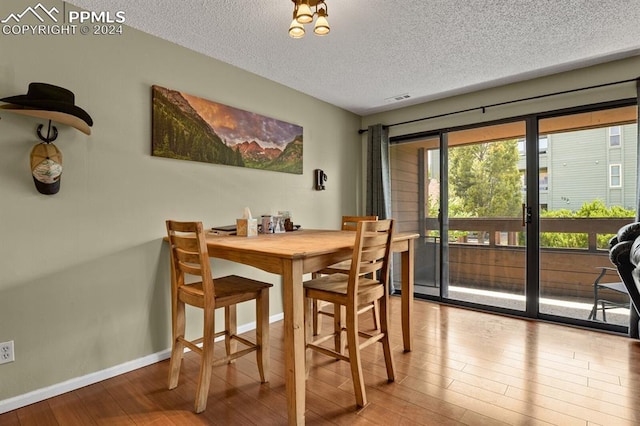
(6, 352)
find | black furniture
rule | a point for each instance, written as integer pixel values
(624, 252)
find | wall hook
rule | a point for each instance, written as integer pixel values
(49, 137)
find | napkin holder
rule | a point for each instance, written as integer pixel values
(247, 227)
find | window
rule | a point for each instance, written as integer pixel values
(543, 144)
(615, 176)
(614, 136)
(543, 180)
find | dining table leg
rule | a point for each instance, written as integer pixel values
(294, 340)
(407, 294)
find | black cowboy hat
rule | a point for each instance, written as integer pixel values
(52, 102)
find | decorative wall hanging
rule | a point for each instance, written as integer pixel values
(187, 127)
(52, 103)
(46, 167)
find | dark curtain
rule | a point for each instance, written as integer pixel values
(379, 178)
(378, 175)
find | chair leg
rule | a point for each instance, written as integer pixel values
(634, 325)
(317, 305)
(604, 312)
(354, 357)
(386, 344)
(206, 362)
(317, 320)
(262, 334)
(310, 315)
(338, 328)
(231, 327)
(594, 310)
(376, 315)
(177, 347)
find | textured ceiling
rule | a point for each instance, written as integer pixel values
(379, 49)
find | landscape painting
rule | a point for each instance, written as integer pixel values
(187, 127)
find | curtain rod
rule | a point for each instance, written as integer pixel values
(483, 108)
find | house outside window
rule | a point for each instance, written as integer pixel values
(543, 144)
(614, 136)
(544, 180)
(615, 176)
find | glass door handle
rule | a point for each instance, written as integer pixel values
(526, 214)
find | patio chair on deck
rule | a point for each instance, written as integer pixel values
(603, 293)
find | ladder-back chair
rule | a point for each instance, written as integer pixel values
(189, 258)
(366, 282)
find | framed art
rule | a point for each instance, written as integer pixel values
(187, 127)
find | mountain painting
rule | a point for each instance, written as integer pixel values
(187, 127)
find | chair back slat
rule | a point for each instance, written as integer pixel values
(190, 269)
(371, 253)
(350, 223)
(186, 241)
(189, 254)
(183, 226)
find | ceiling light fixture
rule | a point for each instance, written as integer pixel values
(302, 14)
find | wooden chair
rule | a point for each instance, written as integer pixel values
(371, 258)
(189, 257)
(349, 223)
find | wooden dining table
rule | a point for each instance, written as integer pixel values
(291, 255)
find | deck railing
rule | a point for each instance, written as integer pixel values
(498, 262)
(496, 226)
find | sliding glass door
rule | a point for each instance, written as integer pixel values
(485, 192)
(465, 200)
(415, 186)
(588, 175)
(515, 217)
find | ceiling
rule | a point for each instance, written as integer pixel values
(426, 49)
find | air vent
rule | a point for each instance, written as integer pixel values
(398, 98)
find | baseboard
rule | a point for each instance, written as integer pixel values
(38, 395)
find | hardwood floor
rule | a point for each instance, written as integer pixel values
(467, 368)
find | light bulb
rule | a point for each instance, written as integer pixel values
(296, 30)
(304, 15)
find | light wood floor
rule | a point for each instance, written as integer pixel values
(467, 368)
